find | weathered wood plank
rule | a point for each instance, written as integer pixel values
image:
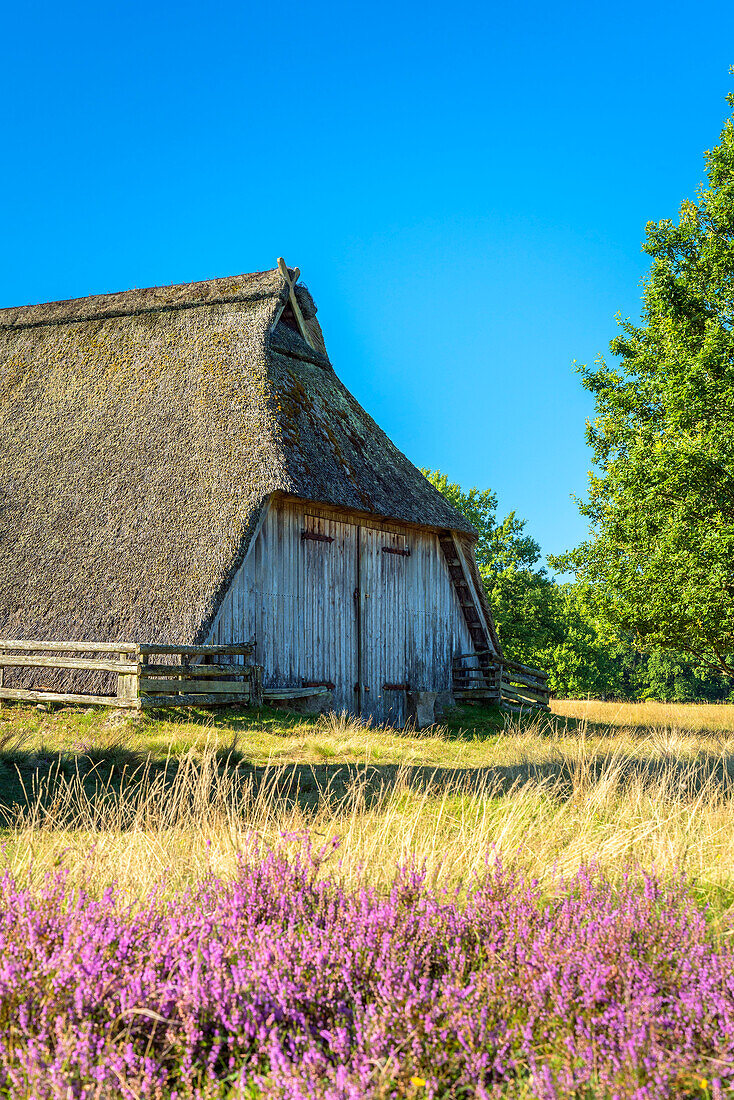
(474, 673)
(127, 686)
(93, 664)
(127, 689)
(293, 693)
(192, 687)
(197, 671)
(256, 685)
(528, 681)
(522, 682)
(68, 647)
(478, 694)
(23, 695)
(244, 648)
(527, 669)
(208, 700)
(523, 693)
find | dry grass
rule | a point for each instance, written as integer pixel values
(549, 794)
(635, 716)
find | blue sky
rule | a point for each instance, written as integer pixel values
(464, 187)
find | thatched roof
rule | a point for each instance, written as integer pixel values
(141, 434)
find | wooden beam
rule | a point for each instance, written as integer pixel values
(245, 649)
(298, 314)
(524, 709)
(69, 647)
(191, 687)
(128, 687)
(256, 685)
(528, 681)
(528, 669)
(293, 693)
(196, 671)
(192, 700)
(478, 695)
(521, 696)
(21, 695)
(93, 664)
(472, 673)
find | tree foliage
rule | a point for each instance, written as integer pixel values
(660, 559)
(557, 627)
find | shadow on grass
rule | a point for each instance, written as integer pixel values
(103, 765)
(105, 769)
(464, 722)
(124, 780)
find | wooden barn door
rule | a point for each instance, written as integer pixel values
(384, 564)
(329, 554)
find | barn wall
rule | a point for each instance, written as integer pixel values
(296, 596)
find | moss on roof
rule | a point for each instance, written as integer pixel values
(141, 434)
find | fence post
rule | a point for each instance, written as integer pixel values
(256, 685)
(128, 684)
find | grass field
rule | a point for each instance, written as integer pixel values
(142, 801)
(183, 812)
(692, 717)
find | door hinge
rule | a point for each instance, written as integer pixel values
(315, 536)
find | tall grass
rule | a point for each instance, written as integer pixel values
(647, 714)
(546, 799)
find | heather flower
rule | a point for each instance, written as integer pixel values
(284, 984)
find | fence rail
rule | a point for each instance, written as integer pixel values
(162, 675)
(484, 677)
(147, 674)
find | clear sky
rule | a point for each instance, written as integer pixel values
(464, 187)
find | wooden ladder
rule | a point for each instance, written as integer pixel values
(485, 676)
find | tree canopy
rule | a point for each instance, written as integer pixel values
(659, 562)
(557, 626)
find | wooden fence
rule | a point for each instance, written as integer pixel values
(151, 675)
(484, 677)
(147, 675)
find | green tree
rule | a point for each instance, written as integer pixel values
(557, 626)
(584, 660)
(660, 557)
(675, 678)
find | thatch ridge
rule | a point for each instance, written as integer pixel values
(235, 288)
(140, 444)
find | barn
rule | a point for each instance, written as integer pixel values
(182, 464)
